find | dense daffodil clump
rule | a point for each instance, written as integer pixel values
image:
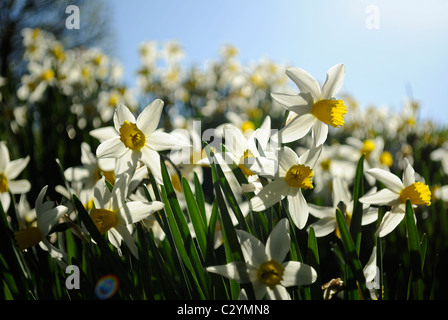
(215, 178)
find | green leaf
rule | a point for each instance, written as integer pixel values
(414, 252)
(196, 219)
(351, 255)
(200, 199)
(181, 233)
(358, 191)
(313, 261)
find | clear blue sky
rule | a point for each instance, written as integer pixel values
(407, 54)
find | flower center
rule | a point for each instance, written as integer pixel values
(386, 159)
(104, 219)
(270, 273)
(131, 136)
(247, 125)
(244, 169)
(300, 176)
(325, 164)
(3, 183)
(47, 75)
(368, 147)
(28, 237)
(330, 112)
(418, 193)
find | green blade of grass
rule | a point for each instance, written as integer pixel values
(414, 252)
(352, 255)
(199, 225)
(358, 191)
(200, 199)
(182, 234)
(313, 261)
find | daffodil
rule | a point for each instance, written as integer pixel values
(293, 174)
(9, 170)
(315, 108)
(47, 215)
(343, 201)
(113, 215)
(396, 193)
(136, 139)
(263, 266)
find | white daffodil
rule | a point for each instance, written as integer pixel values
(374, 154)
(371, 273)
(395, 195)
(263, 266)
(112, 214)
(136, 139)
(441, 154)
(294, 174)
(47, 216)
(242, 150)
(9, 170)
(314, 108)
(327, 215)
(91, 169)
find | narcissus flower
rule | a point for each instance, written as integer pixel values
(294, 174)
(327, 215)
(47, 215)
(314, 108)
(396, 194)
(136, 139)
(112, 214)
(9, 170)
(263, 266)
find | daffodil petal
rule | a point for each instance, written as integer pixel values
(278, 243)
(324, 226)
(278, 293)
(148, 120)
(136, 211)
(390, 221)
(296, 129)
(297, 273)
(298, 209)
(103, 134)
(112, 148)
(296, 103)
(408, 174)
(319, 132)
(252, 248)
(383, 197)
(151, 159)
(271, 194)
(160, 141)
(236, 270)
(334, 81)
(122, 114)
(391, 181)
(19, 186)
(305, 82)
(15, 167)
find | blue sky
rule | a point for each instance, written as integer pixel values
(407, 54)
